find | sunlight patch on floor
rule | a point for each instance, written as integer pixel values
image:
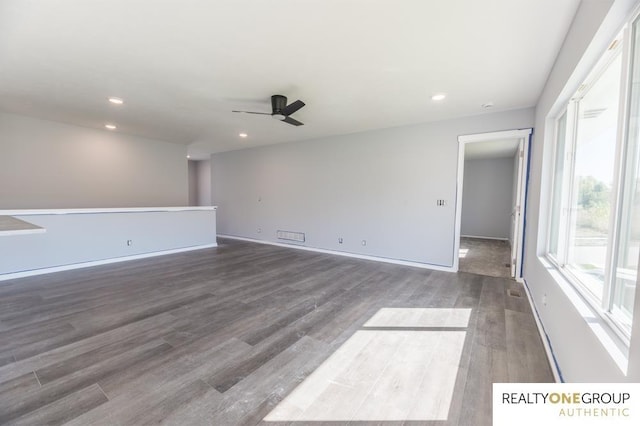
(420, 317)
(463, 253)
(385, 375)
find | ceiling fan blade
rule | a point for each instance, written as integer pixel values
(293, 107)
(253, 112)
(292, 121)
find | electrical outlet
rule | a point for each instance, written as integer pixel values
(259, 230)
(129, 242)
(441, 203)
(364, 242)
(340, 240)
(544, 299)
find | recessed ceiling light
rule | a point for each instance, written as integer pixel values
(243, 135)
(487, 105)
(438, 97)
(116, 101)
(188, 156)
(110, 126)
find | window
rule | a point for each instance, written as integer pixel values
(594, 147)
(594, 231)
(557, 185)
(628, 244)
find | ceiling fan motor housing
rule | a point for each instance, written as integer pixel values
(278, 103)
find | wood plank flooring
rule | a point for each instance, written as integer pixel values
(221, 336)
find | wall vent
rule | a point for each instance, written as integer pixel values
(514, 293)
(291, 236)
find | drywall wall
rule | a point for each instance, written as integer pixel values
(203, 176)
(75, 238)
(487, 198)
(379, 187)
(584, 351)
(45, 164)
(192, 167)
(199, 182)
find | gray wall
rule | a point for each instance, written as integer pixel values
(44, 164)
(583, 350)
(193, 182)
(199, 182)
(203, 176)
(379, 186)
(487, 198)
(74, 238)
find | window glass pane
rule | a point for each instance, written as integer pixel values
(558, 173)
(629, 233)
(594, 162)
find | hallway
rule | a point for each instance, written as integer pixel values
(485, 257)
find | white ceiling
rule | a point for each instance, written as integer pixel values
(504, 148)
(182, 66)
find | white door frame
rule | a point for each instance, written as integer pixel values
(523, 135)
(517, 214)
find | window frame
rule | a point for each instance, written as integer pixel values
(625, 41)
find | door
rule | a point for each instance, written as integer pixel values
(518, 211)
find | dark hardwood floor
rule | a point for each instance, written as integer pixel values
(220, 336)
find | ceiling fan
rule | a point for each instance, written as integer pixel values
(280, 110)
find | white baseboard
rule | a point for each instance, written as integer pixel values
(22, 274)
(484, 238)
(555, 369)
(346, 254)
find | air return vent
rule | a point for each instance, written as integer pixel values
(291, 236)
(514, 293)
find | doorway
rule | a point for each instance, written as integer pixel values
(491, 194)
